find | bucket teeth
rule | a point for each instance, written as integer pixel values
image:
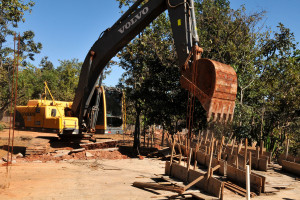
(215, 85)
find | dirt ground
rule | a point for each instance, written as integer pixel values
(97, 174)
(91, 179)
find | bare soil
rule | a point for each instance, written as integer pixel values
(98, 174)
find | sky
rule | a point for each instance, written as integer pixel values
(68, 28)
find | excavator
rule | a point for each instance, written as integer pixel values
(214, 84)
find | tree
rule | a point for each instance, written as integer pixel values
(278, 89)
(12, 13)
(267, 67)
(68, 76)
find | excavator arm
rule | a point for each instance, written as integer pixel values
(194, 70)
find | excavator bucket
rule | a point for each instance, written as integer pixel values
(215, 85)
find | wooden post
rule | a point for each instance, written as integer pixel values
(245, 153)
(216, 149)
(237, 157)
(257, 152)
(189, 159)
(179, 148)
(221, 148)
(240, 145)
(211, 155)
(206, 133)
(148, 138)
(261, 147)
(232, 148)
(250, 160)
(172, 152)
(144, 136)
(195, 158)
(257, 155)
(180, 157)
(152, 137)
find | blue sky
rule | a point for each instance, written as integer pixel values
(68, 28)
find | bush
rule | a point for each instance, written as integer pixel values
(2, 126)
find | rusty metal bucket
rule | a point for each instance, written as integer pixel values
(215, 85)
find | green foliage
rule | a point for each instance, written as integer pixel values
(68, 77)
(152, 75)
(267, 105)
(11, 13)
(62, 81)
(2, 126)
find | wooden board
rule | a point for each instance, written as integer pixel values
(291, 167)
(201, 158)
(211, 185)
(180, 172)
(239, 177)
(167, 168)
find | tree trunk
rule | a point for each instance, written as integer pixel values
(163, 136)
(137, 132)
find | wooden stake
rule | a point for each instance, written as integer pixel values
(206, 134)
(250, 160)
(232, 148)
(257, 152)
(189, 159)
(261, 147)
(179, 138)
(211, 155)
(221, 148)
(180, 157)
(237, 157)
(195, 158)
(173, 146)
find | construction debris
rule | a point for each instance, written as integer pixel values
(157, 186)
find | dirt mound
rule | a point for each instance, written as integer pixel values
(113, 155)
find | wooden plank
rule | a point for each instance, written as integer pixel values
(235, 188)
(291, 167)
(167, 168)
(200, 178)
(180, 172)
(211, 185)
(262, 164)
(201, 158)
(263, 180)
(157, 186)
(239, 177)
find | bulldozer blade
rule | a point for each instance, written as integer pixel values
(215, 85)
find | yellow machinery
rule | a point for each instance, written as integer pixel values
(55, 116)
(47, 115)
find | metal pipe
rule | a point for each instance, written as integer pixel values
(248, 182)
(194, 28)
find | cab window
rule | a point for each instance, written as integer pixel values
(53, 113)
